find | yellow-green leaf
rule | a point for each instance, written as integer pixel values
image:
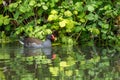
(63, 64)
(69, 72)
(68, 13)
(32, 3)
(54, 70)
(54, 12)
(62, 23)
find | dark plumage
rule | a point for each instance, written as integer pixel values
(36, 43)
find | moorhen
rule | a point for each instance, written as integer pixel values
(36, 43)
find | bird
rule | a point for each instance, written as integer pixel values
(30, 42)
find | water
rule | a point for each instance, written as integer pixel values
(70, 63)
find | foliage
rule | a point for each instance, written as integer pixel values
(80, 21)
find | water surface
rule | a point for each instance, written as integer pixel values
(70, 63)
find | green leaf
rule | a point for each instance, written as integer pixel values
(92, 73)
(6, 20)
(62, 23)
(56, 0)
(54, 12)
(1, 1)
(22, 9)
(68, 13)
(82, 20)
(81, 15)
(16, 15)
(44, 7)
(63, 64)
(69, 72)
(105, 26)
(7, 28)
(90, 16)
(32, 3)
(54, 70)
(78, 6)
(90, 8)
(1, 20)
(13, 5)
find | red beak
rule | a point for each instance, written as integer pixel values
(53, 37)
(53, 56)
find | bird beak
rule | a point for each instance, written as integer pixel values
(53, 37)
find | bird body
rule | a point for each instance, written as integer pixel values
(36, 43)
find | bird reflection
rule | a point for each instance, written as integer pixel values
(38, 51)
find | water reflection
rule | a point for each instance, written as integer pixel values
(71, 63)
(37, 52)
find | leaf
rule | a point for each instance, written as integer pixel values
(62, 23)
(97, 59)
(77, 29)
(90, 16)
(54, 70)
(63, 64)
(1, 20)
(68, 13)
(44, 7)
(81, 15)
(82, 20)
(56, 0)
(95, 31)
(90, 8)
(69, 24)
(78, 6)
(105, 26)
(83, 63)
(16, 15)
(54, 12)
(13, 5)
(1, 1)
(75, 12)
(6, 20)
(92, 73)
(22, 9)
(7, 28)
(32, 3)
(52, 17)
(69, 72)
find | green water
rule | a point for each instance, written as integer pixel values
(71, 63)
